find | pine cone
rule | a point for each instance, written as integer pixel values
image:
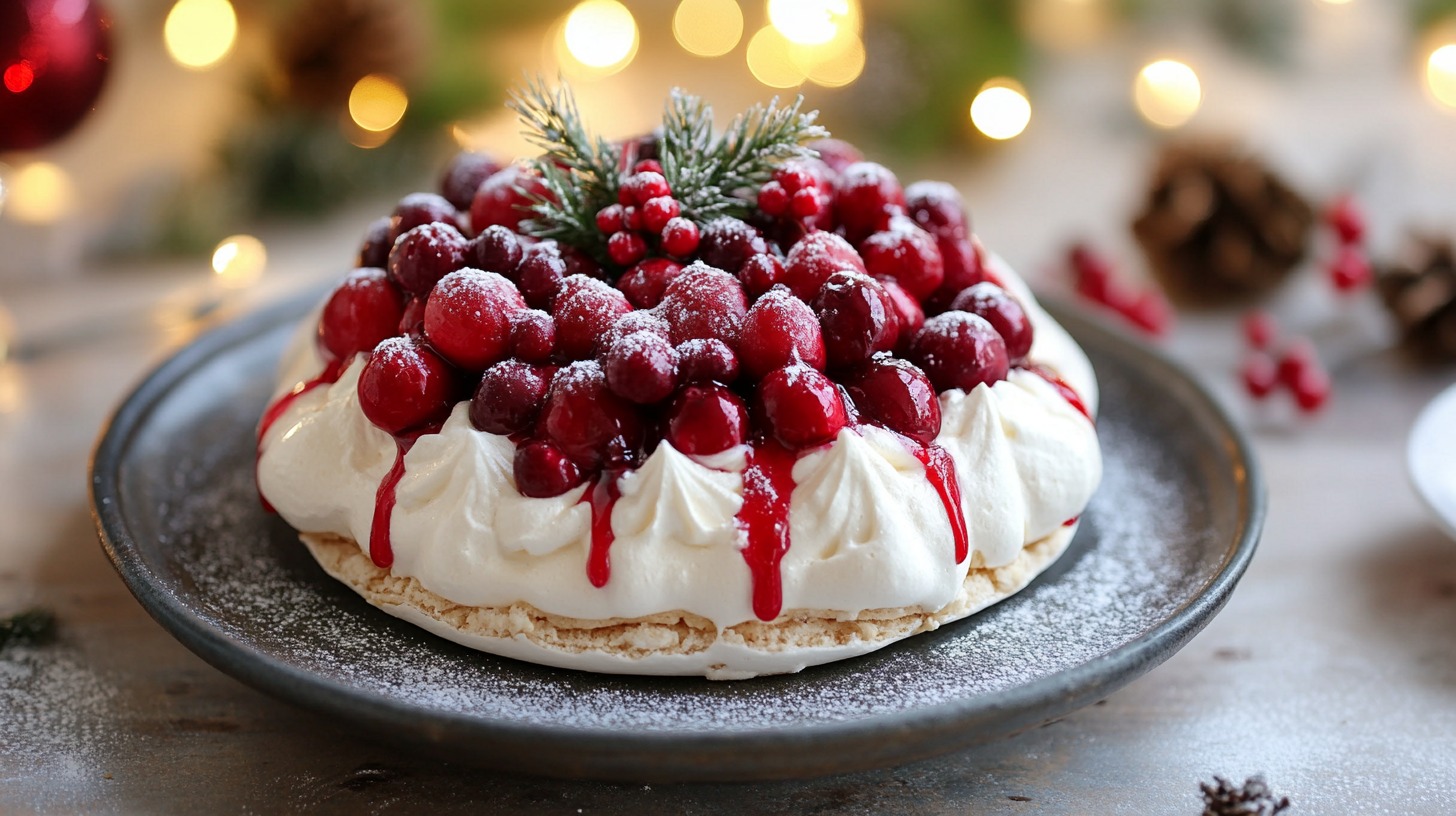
(325, 46)
(1253, 798)
(1420, 293)
(1219, 226)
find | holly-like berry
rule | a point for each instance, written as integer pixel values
(463, 177)
(906, 254)
(814, 259)
(780, 330)
(960, 350)
(585, 308)
(609, 219)
(645, 283)
(638, 188)
(404, 385)
(626, 248)
(773, 199)
(801, 407)
(680, 237)
(1003, 312)
(857, 319)
(1260, 374)
(543, 470)
(467, 317)
(706, 419)
(424, 255)
(893, 393)
(656, 212)
(365, 309)
(509, 397)
(418, 209)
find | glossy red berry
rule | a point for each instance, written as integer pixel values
(656, 212)
(626, 248)
(813, 259)
(1350, 269)
(773, 199)
(1260, 375)
(857, 319)
(424, 255)
(365, 309)
(705, 360)
(404, 385)
(374, 251)
(500, 199)
(412, 322)
(418, 209)
(645, 283)
(962, 265)
(585, 308)
(680, 237)
(497, 249)
(1311, 389)
(1260, 329)
(1003, 312)
(543, 470)
(642, 368)
(807, 203)
(960, 350)
(906, 254)
(759, 273)
(780, 330)
(938, 209)
(533, 335)
(909, 314)
(509, 398)
(704, 302)
(640, 320)
(727, 242)
(706, 419)
(463, 177)
(1346, 219)
(594, 426)
(800, 407)
(865, 197)
(609, 219)
(467, 317)
(895, 394)
(638, 188)
(540, 274)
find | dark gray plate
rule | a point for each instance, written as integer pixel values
(1162, 545)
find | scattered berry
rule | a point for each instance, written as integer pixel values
(626, 248)
(584, 309)
(780, 330)
(1298, 357)
(814, 259)
(533, 335)
(894, 393)
(1260, 375)
(418, 209)
(704, 302)
(509, 397)
(1346, 219)
(424, 255)
(404, 385)
(1311, 389)
(857, 318)
(464, 175)
(543, 470)
(645, 283)
(1150, 311)
(642, 367)
(706, 360)
(364, 310)
(1350, 269)
(1003, 312)
(706, 419)
(496, 249)
(960, 350)
(467, 317)
(800, 407)
(1260, 329)
(680, 237)
(907, 254)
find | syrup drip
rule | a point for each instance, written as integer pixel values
(941, 471)
(768, 483)
(602, 496)
(381, 549)
(1068, 392)
(328, 376)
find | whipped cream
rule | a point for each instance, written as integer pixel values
(868, 530)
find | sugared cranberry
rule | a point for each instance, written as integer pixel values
(631, 218)
(584, 309)
(960, 350)
(496, 249)
(533, 335)
(647, 165)
(642, 367)
(412, 322)
(1003, 312)
(656, 212)
(680, 237)
(543, 470)
(374, 252)
(704, 302)
(626, 248)
(759, 273)
(938, 209)
(501, 200)
(464, 175)
(591, 424)
(727, 242)
(773, 199)
(705, 360)
(908, 312)
(404, 385)
(362, 311)
(609, 219)
(706, 419)
(800, 406)
(857, 319)
(578, 262)
(814, 259)
(641, 320)
(509, 398)
(1260, 375)
(807, 203)
(907, 254)
(962, 269)
(638, 188)
(645, 283)
(1260, 329)
(540, 273)
(1350, 269)
(418, 209)
(894, 393)
(837, 153)
(467, 317)
(1311, 389)
(779, 330)
(424, 255)
(865, 196)
(1346, 219)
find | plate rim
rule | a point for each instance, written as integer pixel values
(906, 734)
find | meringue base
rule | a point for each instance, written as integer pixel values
(672, 643)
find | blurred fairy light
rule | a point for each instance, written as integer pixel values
(771, 60)
(238, 261)
(808, 41)
(599, 37)
(200, 33)
(708, 28)
(1001, 110)
(40, 193)
(834, 69)
(1167, 93)
(1441, 74)
(1064, 24)
(813, 22)
(376, 106)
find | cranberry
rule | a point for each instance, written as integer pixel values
(467, 317)
(1350, 270)
(641, 320)
(647, 165)
(773, 199)
(894, 393)
(907, 254)
(464, 175)
(1346, 219)
(509, 397)
(374, 252)
(908, 312)
(609, 219)
(727, 242)
(638, 188)
(584, 309)
(960, 350)
(1299, 357)
(962, 269)
(645, 283)
(780, 329)
(680, 237)
(1260, 329)
(424, 255)
(412, 322)
(591, 424)
(706, 419)
(705, 360)
(759, 273)
(404, 385)
(1311, 389)
(866, 195)
(578, 262)
(1260, 374)
(801, 407)
(496, 249)
(533, 335)
(937, 208)
(626, 248)
(540, 273)
(807, 203)
(1150, 311)
(814, 259)
(642, 367)
(542, 470)
(1003, 312)
(704, 302)
(418, 209)
(502, 199)
(837, 153)
(857, 317)
(656, 212)
(631, 218)
(365, 309)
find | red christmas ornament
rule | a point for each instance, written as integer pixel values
(54, 56)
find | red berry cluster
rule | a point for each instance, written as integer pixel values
(1349, 270)
(1296, 367)
(732, 337)
(1093, 279)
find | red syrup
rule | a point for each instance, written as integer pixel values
(602, 496)
(941, 471)
(768, 484)
(381, 549)
(330, 375)
(1068, 393)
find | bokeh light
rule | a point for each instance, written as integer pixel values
(813, 22)
(831, 67)
(600, 36)
(1001, 110)
(377, 103)
(1441, 74)
(708, 28)
(771, 60)
(40, 193)
(1064, 24)
(200, 33)
(239, 261)
(1167, 93)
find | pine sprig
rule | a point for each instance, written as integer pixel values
(712, 176)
